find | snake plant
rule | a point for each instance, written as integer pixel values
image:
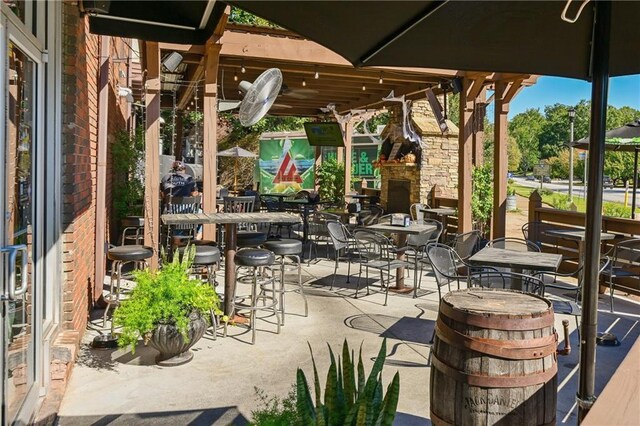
(349, 399)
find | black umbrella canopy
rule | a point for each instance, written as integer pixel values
(512, 37)
(185, 22)
(623, 138)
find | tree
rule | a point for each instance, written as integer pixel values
(515, 156)
(559, 166)
(525, 129)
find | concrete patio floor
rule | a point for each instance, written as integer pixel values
(218, 386)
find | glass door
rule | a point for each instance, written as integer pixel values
(18, 289)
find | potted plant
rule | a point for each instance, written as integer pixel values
(167, 309)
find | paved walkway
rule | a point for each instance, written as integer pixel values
(218, 387)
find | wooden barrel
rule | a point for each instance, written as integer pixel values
(494, 359)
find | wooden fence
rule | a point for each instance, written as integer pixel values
(563, 219)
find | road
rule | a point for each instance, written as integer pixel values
(615, 194)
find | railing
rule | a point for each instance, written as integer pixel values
(563, 219)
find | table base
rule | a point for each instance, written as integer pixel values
(401, 290)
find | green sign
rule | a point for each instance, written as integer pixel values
(286, 165)
(361, 160)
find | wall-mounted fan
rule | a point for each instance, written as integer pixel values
(258, 97)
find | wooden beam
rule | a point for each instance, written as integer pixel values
(477, 85)
(348, 134)
(210, 144)
(465, 146)
(194, 75)
(500, 161)
(514, 89)
(152, 152)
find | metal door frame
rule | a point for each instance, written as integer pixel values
(14, 31)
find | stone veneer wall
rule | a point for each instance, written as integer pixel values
(439, 163)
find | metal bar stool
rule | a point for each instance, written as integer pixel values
(119, 256)
(205, 263)
(288, 248)
(262, 287)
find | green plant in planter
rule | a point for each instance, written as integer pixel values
(330, 180)
(511, 190)
(347, 400)
(166, 296)
(482, 196)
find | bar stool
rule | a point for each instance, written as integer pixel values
(119, 256)
(132, 225)
(204, 265)
(262, 287)
(251, 239)
(288, 248)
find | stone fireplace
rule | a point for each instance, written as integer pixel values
(437, 163)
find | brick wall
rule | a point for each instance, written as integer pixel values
(79, 139)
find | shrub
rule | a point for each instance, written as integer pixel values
(275, 411)
(330, 179)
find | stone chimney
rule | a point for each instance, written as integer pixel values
(437, 165)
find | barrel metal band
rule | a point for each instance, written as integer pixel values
(498, 323)
(494, 381)
(509, 349)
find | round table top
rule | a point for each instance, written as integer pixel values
(483, 301)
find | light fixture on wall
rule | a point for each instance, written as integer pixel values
(126, 93)
(172, 61)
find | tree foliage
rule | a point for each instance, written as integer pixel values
(525, 129)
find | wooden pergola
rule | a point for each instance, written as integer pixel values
(217, 67)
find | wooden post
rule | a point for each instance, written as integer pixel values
(210, 148)
(152, 153)
(478, 135)
(500, 161)
(348, 134)
(465, 146)
(535, 202)
(179, 134)
(101, 166)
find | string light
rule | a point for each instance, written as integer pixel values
(242, 68)
(304, 82)
(316, 75)
(380, 80)
(235, 76)
(364, 87)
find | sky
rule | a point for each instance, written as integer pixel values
(623, 91)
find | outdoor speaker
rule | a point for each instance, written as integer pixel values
(171, 61)
(456, 85)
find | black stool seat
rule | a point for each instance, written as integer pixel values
(284, 246)
(183, 242)
(130, 253)
(133, 222)
(254, 257)
(251, 238)
(205, 255)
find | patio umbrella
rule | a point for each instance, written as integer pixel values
(236, 152)
(533, 37)
(624, 138)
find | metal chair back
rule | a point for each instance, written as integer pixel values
(509, 281)
(515, 244)
(415, 210)
(240, 205)
(535, 232)
(421, 240)
(374, 246)
(177, 205)
(444, 262)
(626, 254)
(371, 218)
(339, 235)
(465, 245)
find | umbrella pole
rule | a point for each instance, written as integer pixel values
(635, 184)
(599, 92)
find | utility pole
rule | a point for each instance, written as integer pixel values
(572, 116)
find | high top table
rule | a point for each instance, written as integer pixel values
(402, 232)
(230, 221)
(577, 235)
(516, 260)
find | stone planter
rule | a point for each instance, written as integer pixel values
(173, 347)
(512, 203)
